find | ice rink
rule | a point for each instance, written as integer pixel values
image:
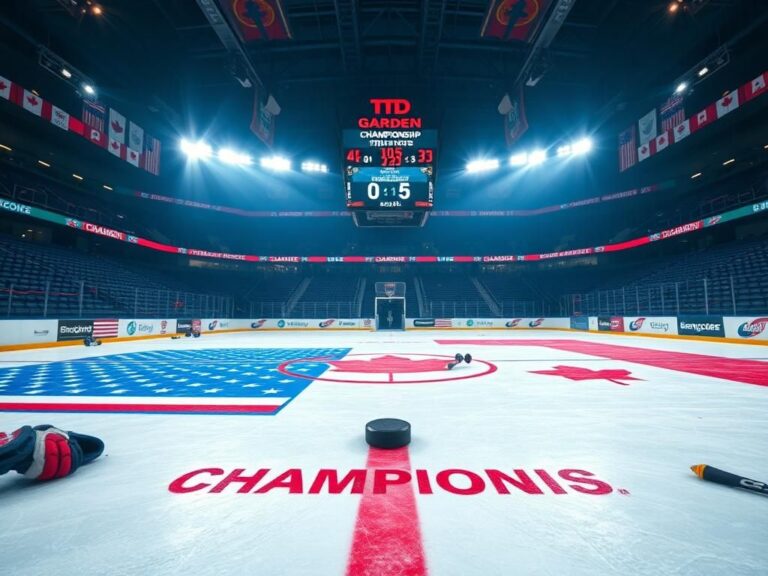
(552, 453)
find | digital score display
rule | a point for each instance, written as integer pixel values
(389, 161)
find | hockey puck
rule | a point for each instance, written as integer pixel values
(388, 433)
(459, 358)
(467, 357)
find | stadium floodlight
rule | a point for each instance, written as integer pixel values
(520, 159)
(196, 150)
(276, 163)
(703, 71)
(310, 166)
(89, 89)
(564, 150)
(582, 146)
(537, 157)
(682, 87)
(229, 156)
(66, 73)
(484, 165)
(729, 161)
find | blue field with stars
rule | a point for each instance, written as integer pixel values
(218, 380)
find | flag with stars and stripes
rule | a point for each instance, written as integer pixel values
(213, 381)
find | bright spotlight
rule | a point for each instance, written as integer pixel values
(89, 89)
(485, 165)
(582, 146)
(682, 87)
(520, 159)
(229, 156)
(310, 166)
(276, 163)
(703, 72)
(196, 150)
(564, 150)
(66, 73)
(537, 157)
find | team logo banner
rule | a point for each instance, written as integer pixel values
(515, 121)
(257, 20)
(514, 19)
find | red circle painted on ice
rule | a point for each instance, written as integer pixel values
(489, 368)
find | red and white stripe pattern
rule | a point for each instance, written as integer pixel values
(93, 126)
(105, 328)
(443, 323)
(730, 102)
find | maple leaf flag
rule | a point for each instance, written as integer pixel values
(704, 117)
(682, 130)
(59, 118)
(727, 103)
(132, 157)
(575, 373)
(32, 103)
(751, 90)
(644, 152)
(97, 137)
(662, 141)
(135, 136)
(116, 126)
(115, 147)
(5, 88)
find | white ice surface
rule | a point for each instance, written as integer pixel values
(116, 516)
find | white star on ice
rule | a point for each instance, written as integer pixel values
(162, 390)
(216, 377)
(182, 380)
(302, 370)
(109, 386)
(249, 373)
(195, 385)
(75, 391)
(286, 381)
(250, 385)
(35, 392)
(34, 386)
(212, 390)
(266, 377)
(121, 391)
(150, 385)
(232, 381)
(270, 391)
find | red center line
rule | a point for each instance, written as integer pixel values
(387, 536)
(733, 369)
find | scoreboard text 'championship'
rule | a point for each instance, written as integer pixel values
(389, 166)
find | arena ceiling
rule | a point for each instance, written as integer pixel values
(608, 56)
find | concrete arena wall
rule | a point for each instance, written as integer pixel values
(43, 333)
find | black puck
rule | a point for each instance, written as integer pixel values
(467, 357)
(388, 433)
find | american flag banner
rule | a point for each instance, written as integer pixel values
(443, 323)
(94, 114)
(151, 155)
(105, 328)
(628, 148)
(672, 112)
(212, 381)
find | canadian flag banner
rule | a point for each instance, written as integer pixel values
(132, 157)
(644, 152)
(116, 126)
(32, 103)
(115, 147)
(59, 118)
(704, 117)
(727, 103)
(751, 90)
(682, 130)
(97, 137)
(5, 88)
(662, 141)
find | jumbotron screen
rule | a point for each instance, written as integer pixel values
(389, 160)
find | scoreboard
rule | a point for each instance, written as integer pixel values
(389, 160)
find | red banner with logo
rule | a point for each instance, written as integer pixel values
(514, 19)
(257, 20)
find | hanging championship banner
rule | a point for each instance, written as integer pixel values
(514, 19)
(257, 20)
(515, 121)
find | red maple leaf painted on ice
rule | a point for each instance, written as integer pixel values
(390, 365)
(575, 373)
